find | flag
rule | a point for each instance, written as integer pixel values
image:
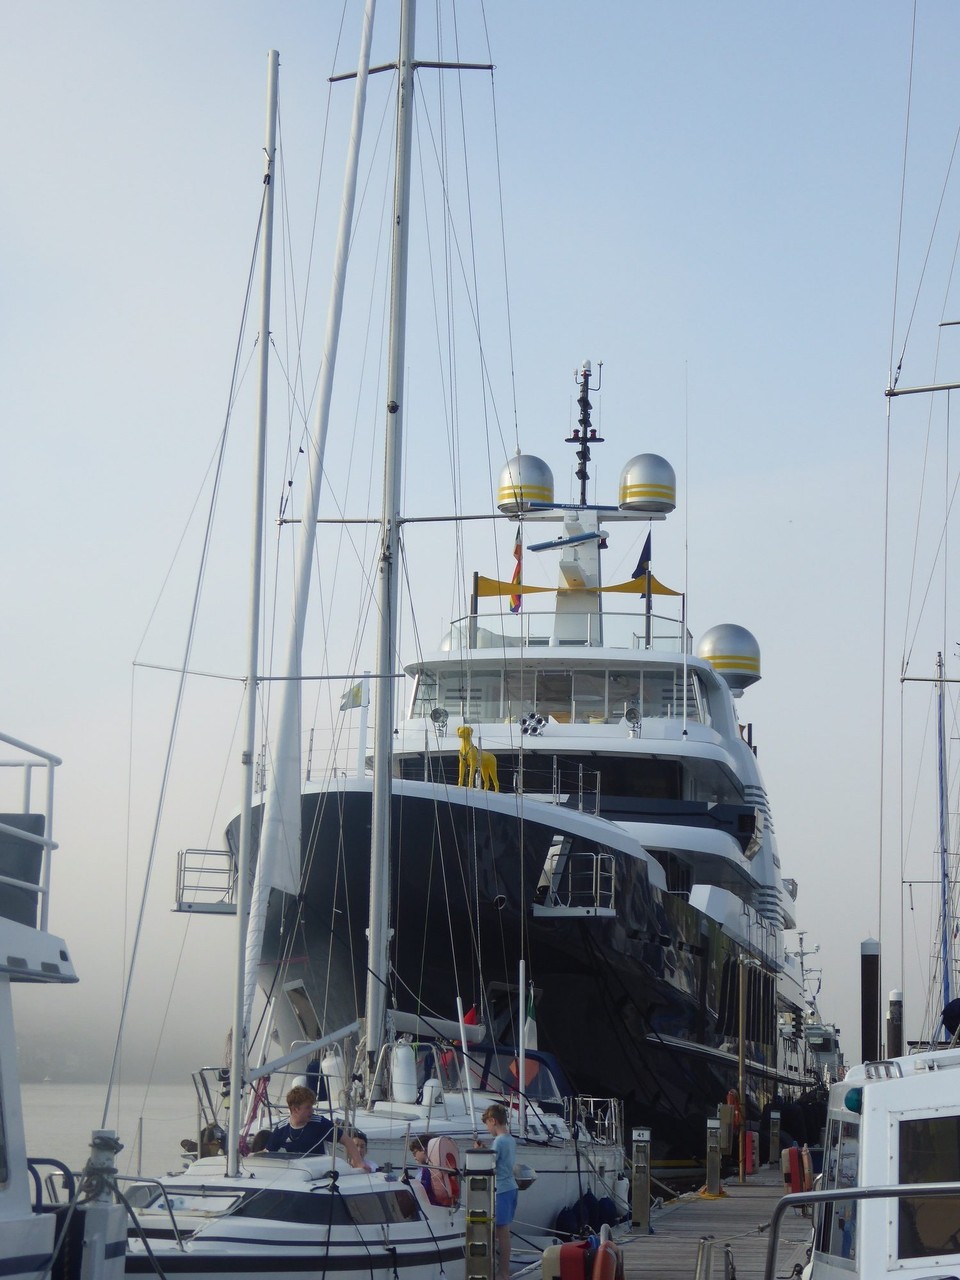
(352, 698)
(530, 1026)
(643, 564)
(517, 600)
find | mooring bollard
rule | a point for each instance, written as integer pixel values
(641, 1179)
(478, 1166)
(774, 1157)
(713, 1157)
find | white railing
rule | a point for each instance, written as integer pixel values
(29, 759)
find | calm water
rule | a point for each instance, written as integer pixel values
(59, 1118)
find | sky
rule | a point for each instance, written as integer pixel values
(710, 199)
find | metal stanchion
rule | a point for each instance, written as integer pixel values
(641, 1179)
(479, 1168)
(713, 1157)
(704, 1268)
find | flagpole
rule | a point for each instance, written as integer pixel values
(522, 1055)
(364, 713)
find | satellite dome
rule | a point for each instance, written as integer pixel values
(648, 483)
(733, 653)
(524, 482)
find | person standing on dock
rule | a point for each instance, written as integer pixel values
(505, 1152)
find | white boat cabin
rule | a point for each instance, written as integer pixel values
(890, 1123)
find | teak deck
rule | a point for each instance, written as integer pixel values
(738, 1220)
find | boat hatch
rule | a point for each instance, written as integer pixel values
(197, 1202)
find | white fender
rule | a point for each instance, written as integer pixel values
(403, 1070)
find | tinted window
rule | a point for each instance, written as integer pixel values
(320, 1208)
(389, 1206)
(929, 1152)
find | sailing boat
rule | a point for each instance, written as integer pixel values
(270, 1212)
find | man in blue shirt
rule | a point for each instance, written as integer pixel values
(304, 1133)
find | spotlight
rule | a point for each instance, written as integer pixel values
(439, 717)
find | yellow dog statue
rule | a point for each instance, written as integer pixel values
(474, 762)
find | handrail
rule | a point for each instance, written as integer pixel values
(69, 1180)
(908, 1190)
(47, 761)
(155, 1182)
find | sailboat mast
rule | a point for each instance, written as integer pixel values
(945, 921)
(378, 941)
(238, 1047)
(278, 863)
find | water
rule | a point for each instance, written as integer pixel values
(59, 1118)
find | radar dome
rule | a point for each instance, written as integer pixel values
(733, 653)
(648, 483)
(524, 482)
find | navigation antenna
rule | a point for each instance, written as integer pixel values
(584, 434)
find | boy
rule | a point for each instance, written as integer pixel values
(505, 1150)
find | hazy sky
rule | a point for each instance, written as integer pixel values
(706, 197)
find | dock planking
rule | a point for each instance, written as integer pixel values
(738, 1220)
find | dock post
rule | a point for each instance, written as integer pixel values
(774, 1153)
(478, 1168)
(713, 1157)
(641, 1179)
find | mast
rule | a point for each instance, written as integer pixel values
(238, 1047)
(946, 948)
(388, 580)
(278, 864)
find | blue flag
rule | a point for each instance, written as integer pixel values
(643, 564)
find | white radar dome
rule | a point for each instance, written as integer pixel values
(733, 653)
(524, 481)
(648, 483)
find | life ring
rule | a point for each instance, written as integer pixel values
(443, 1161)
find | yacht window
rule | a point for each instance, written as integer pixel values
(929, 1152)
(555, 695)
(388, 1206)
(426, 694)
(313, 1208)
(589, 697)
(519, 692)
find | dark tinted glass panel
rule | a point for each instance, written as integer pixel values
(929, 1152)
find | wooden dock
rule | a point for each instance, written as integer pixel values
(735, 1224)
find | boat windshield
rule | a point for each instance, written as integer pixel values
(497, 1071)
(569, 696)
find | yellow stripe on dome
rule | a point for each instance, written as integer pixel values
(524, 493)
(734, 662)
(647, 491)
